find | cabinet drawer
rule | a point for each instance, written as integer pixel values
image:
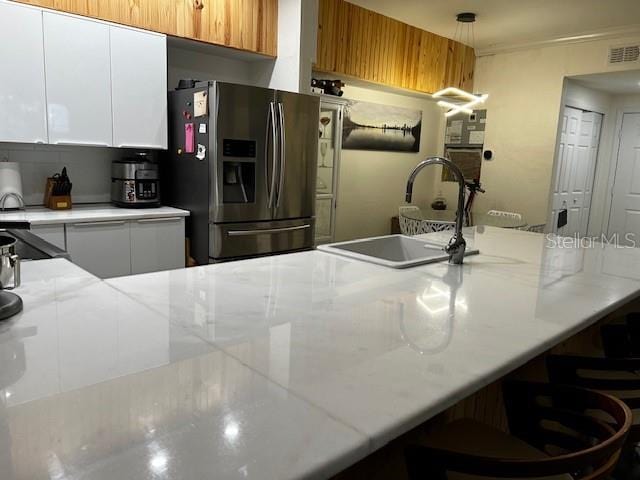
(54, 234)
(102, 248)
(157, 244)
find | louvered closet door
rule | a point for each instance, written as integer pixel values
(575, 169)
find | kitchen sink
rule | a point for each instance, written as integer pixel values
(395, 251)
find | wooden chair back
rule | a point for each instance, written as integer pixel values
(618, 376)
(552, 418)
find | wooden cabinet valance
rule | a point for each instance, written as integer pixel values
(364, 44)
(250, 25)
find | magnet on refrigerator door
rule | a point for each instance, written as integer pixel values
(189, 138)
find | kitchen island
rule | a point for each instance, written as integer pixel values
(291, 366)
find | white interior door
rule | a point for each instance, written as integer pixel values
(575, 169)
(625, 205)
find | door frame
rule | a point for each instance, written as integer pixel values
(613, 168)
(569, 103)
(337, 104)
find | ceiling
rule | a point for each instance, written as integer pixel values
(627, 82)
(503, 23)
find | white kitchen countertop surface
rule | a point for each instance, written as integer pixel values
(88, 213)
(290, 366)
(95, 385)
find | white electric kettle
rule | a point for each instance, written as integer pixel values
(10, 186)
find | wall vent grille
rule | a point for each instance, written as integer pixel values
(624, 54)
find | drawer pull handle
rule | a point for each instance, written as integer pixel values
(84, 144)
(260, 231)
(150, 145)
(99, 224)
(158, 220)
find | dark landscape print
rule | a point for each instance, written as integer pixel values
(371, 126)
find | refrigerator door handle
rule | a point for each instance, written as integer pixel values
(271, 131)
(262, 231)
(283, 155)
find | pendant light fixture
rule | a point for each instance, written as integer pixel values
(454, 99)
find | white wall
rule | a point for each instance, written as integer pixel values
(187, 63)
(626, 102)
(297, 38)
(284, 72)
(89, 169)
(525, 94)
(372, 184)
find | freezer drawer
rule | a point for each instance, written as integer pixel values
(244, 239)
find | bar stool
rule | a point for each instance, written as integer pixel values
(617, 373)
(615, 376)
(554, 435)
(622, 340)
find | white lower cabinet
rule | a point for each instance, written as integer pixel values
(116, 248)
(101, 248)
(157, 244)
(54, 234)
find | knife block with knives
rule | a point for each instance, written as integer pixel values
(57, 193)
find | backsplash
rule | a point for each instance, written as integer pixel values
(89, 169)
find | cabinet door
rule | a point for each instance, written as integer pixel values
(22, 100)
(101, 248)
(77, 67)
(157, 244)
(54, 234)
(139, 88)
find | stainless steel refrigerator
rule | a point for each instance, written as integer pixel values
(243, 160)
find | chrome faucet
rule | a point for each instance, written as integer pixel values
(456, 246)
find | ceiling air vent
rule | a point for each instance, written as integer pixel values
(625, 54)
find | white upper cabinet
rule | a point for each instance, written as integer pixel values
(78, 80)
(22, 92)
(139, 88)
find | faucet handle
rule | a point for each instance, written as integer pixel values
(456, 248)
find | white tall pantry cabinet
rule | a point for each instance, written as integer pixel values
(23, 115)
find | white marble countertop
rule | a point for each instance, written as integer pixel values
(291, 366)
(88, 213)
(95, 385)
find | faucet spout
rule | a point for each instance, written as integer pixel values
(457, 245)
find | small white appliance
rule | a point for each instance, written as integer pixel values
(10, 186)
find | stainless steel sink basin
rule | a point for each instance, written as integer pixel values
(395, 251)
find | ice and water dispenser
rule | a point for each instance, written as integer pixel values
(238, 171)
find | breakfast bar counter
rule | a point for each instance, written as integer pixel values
(291, 366)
